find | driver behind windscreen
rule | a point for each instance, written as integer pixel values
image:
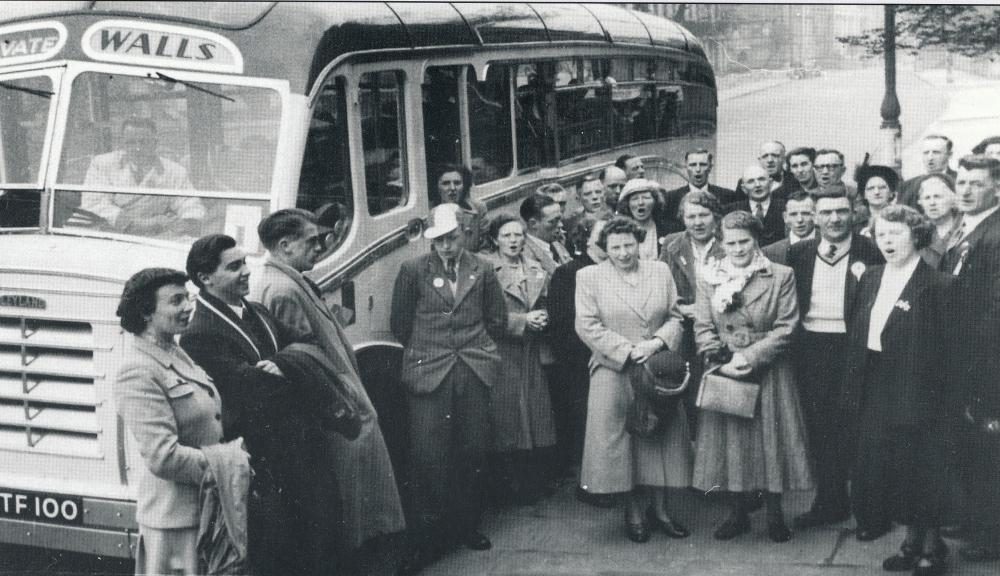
(137, 165)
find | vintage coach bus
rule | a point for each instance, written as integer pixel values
(341, 109)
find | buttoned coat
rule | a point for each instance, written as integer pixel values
(613, 316)
(679, 254)
(522, 411)
(778, 252)
(768, 451)
(912, 351)
(172, 408)
(364, 473)
(438, 328)
(802, 259)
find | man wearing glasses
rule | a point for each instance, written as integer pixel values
(829, 168)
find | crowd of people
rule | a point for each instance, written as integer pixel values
(827, 335)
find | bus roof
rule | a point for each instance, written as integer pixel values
(321, 31)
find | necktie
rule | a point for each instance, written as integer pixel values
(957, 236)
(758, 212)
(450, 270)
(555, 253)
(831, 252)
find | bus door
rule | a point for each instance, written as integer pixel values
(27, 112)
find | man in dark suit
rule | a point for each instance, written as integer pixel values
(570, 353)
(686, 252)
(973, 258)
(827, 270)
(447, 310)
(935, 153)
(291, 519)
(764, 207)
(698, 164)
(800, 211)
(800, 164)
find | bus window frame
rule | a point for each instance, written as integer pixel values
(55, 74)
(283, 163)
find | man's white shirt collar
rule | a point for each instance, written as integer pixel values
(971, 222)
(764, 206)
(843, 246)
(794, 238)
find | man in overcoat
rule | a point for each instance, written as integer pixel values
(292, 508)
(448, 311)
(761, 204)
(973, 258)
(364, 472)
(827, 271)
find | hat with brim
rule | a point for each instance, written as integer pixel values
(637, 185)
(866, 173)
(443, 220)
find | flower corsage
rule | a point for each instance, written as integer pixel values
(729, 281)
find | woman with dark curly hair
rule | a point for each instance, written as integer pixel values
(746, 312)
(626, 311)
(453, 184)
(173, 410)
(895, 389)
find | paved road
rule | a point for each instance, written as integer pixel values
(839, 109)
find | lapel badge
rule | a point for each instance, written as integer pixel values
(472, 276)
(438, 282)
(858, 268)
(684, 261)
(903, 305)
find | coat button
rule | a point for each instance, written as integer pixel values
(218, 417)
(211, 394)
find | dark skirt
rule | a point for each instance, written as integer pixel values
(900, 473)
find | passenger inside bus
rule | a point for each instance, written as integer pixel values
(137, 164)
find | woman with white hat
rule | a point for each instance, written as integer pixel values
(642, 201)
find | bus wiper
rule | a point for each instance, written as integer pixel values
(32, 91)
(191, 85)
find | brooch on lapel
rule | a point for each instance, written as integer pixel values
(903, 305)
(684, 261)
(858, 268)
(472, 276)
(438, 282)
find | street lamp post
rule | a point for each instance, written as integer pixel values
(891, 131)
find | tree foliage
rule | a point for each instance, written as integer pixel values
(960, 29)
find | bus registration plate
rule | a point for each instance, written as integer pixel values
(39, 507)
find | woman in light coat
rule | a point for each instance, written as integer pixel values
(745, 315)
(626, 311)
(524, 432)
(172, 409)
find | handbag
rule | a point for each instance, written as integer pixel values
(656, 388)
(720, 393)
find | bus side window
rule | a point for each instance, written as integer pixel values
(535, 143)
(489, 124)
(325, 183)
(442, 122)
(582, 109)
(383, 133)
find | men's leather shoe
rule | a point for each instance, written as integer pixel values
(778, 531)
(477, 541)
(979, 553)
(732, 528)
(413, 563)
(869, 534)
(814, 518)
(597, 500)
(670, 527)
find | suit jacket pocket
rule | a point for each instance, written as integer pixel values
(180, 390)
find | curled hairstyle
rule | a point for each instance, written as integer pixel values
(206, 254)
(921, 228)
(742, 220)
(282, 224)
(466, 173)
(980, 162)
(703, 199)
(620, 225)
(498, 222)
(948, 181)
(580, 232)
(139, 296)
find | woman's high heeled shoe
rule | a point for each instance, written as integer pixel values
(636, 532)
(670, 527)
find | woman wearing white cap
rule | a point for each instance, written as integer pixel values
(641, 200)
(448, 311)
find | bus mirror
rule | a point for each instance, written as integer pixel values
(414, 228)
